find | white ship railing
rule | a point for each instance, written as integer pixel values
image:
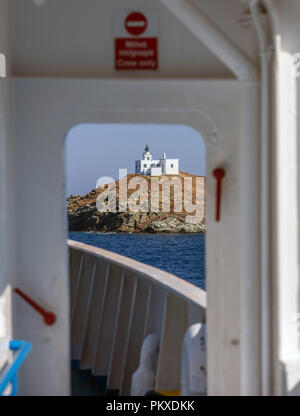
(115, 303)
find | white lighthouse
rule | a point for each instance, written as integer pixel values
(158, 167)
(147, 155)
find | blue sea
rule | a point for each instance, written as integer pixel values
(179, 254)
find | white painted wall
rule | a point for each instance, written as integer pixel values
(7, 184)
(286, 159)
(156, 171)
(66, 41)
(145, 166)
(157, 167)
(171, 166)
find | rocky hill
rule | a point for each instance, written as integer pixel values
(83, 214)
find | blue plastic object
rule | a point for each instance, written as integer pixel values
(10, 372)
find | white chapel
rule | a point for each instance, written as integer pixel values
(159, 167)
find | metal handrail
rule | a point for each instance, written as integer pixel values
(9, 374)
(172, 283)
(115, 303)
(49, 317)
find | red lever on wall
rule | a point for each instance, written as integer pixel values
(219, 174)
(49, 317)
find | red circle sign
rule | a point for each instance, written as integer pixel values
(136, 23)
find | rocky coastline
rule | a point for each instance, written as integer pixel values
(83, 214)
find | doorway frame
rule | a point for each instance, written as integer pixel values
(214, 108)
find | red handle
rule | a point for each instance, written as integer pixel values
(49, 317)
(219, 174)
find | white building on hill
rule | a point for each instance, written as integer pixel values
(159, 167)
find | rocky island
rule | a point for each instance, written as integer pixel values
(84, 215)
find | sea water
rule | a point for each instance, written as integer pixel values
(180, 254)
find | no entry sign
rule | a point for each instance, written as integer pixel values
(136, 46)
(136, 23)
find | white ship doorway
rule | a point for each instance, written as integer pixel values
(212, 108)
(107, 153)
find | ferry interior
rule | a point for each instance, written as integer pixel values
(73, 311)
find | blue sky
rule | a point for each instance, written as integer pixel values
(96, 150)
